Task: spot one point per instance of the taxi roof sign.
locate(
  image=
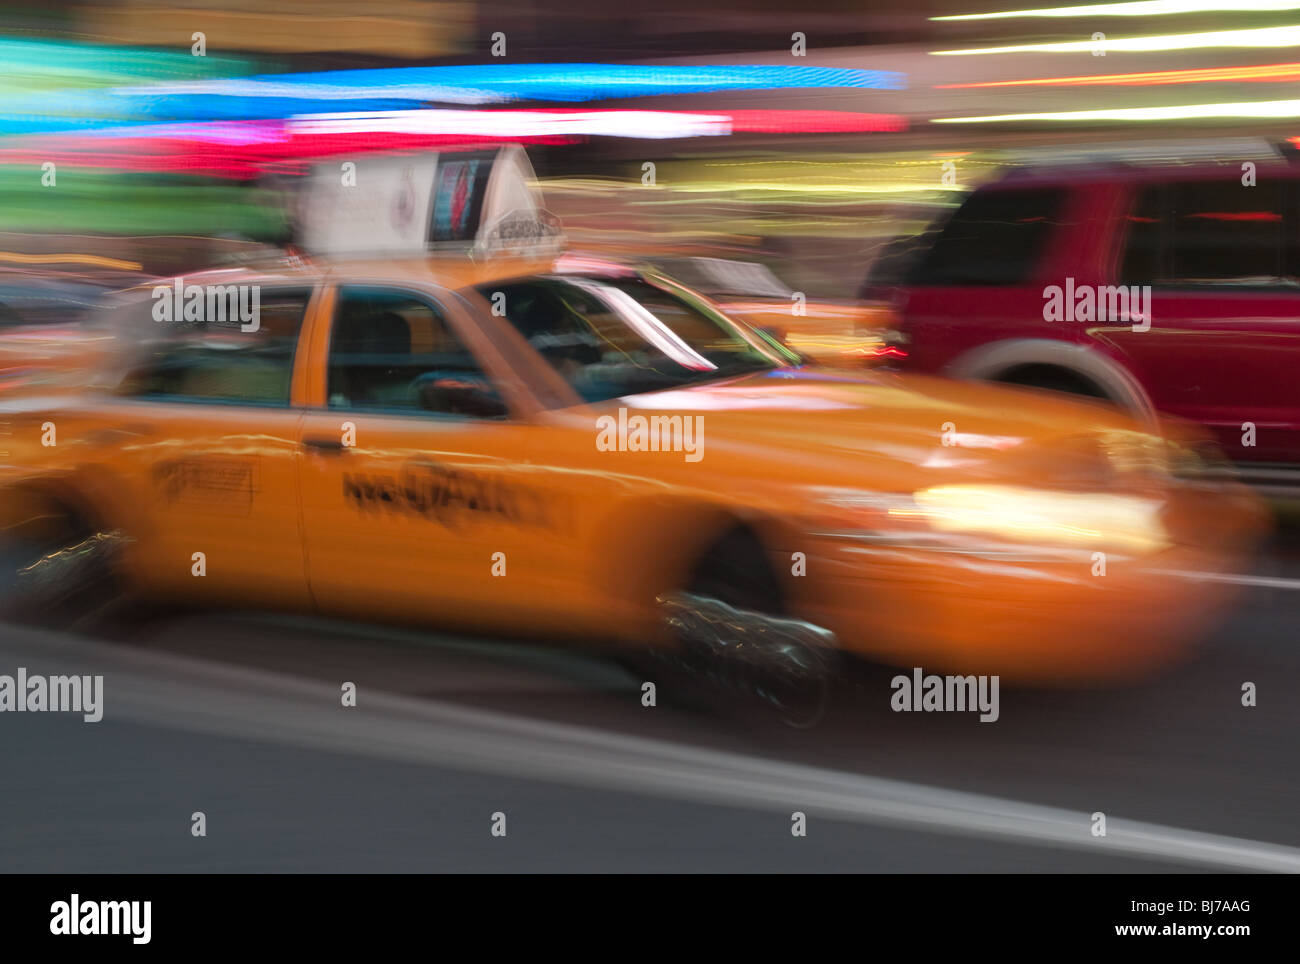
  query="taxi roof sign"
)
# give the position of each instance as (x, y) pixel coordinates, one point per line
(479, 202)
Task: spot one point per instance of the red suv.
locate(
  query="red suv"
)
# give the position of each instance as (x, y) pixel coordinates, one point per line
(1171, 290)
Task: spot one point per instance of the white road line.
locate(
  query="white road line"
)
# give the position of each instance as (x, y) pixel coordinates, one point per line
(183, 693)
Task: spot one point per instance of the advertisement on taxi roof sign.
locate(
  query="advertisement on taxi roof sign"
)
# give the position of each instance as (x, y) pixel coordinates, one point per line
(480, 202)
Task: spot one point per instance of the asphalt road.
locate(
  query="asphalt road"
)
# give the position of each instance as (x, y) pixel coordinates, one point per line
(240, 717)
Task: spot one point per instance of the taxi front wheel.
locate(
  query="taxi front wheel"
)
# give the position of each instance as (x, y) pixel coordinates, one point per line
(732, 631)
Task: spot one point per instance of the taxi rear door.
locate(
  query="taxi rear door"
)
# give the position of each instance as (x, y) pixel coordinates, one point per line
(213, 456)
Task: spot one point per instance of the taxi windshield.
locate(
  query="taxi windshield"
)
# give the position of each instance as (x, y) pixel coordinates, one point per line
(610, 337)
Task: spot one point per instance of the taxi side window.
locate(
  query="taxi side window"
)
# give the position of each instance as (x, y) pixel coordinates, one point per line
(393, 351)
(239, 350)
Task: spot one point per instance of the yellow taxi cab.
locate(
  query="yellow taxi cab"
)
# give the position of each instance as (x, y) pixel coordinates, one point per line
(594, 452)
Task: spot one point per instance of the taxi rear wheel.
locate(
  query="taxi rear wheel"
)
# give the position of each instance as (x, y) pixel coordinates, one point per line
(54, 567)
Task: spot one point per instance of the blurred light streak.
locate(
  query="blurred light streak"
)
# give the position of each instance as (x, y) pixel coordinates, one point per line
(1136, 8)
(1256, 109)
(172, 163)
(1200, 75)
(796, 188)
(229, 133)
(92, 201)
(812, 122)
(649, 124)
(86, 259)
(610, 123)
(52, 86)
(65, 64)
(1288, 36)
(278, 96)
(495, 83)
(237, 149)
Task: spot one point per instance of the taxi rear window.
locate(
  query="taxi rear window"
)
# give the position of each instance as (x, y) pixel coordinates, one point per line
(241, 355)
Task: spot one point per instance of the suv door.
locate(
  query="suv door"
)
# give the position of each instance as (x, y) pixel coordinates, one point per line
(1223, 262)
(982, 278)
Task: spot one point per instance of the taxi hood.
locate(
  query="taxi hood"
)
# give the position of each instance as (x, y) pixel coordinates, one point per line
(820, 417)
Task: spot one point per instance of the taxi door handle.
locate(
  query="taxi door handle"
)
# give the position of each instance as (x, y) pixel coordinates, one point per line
(324, 444)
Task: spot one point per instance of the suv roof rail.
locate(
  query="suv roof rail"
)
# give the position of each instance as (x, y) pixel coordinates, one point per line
(1032, 170)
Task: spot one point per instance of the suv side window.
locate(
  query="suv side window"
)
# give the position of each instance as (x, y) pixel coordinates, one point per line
(997, 237)
(1212, 233)
(393, 351)
(214, 359)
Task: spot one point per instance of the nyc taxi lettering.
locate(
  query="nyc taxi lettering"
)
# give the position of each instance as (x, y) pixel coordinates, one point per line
(446, 495)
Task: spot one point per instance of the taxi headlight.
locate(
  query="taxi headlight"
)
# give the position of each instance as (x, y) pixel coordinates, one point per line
(1086, 520)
